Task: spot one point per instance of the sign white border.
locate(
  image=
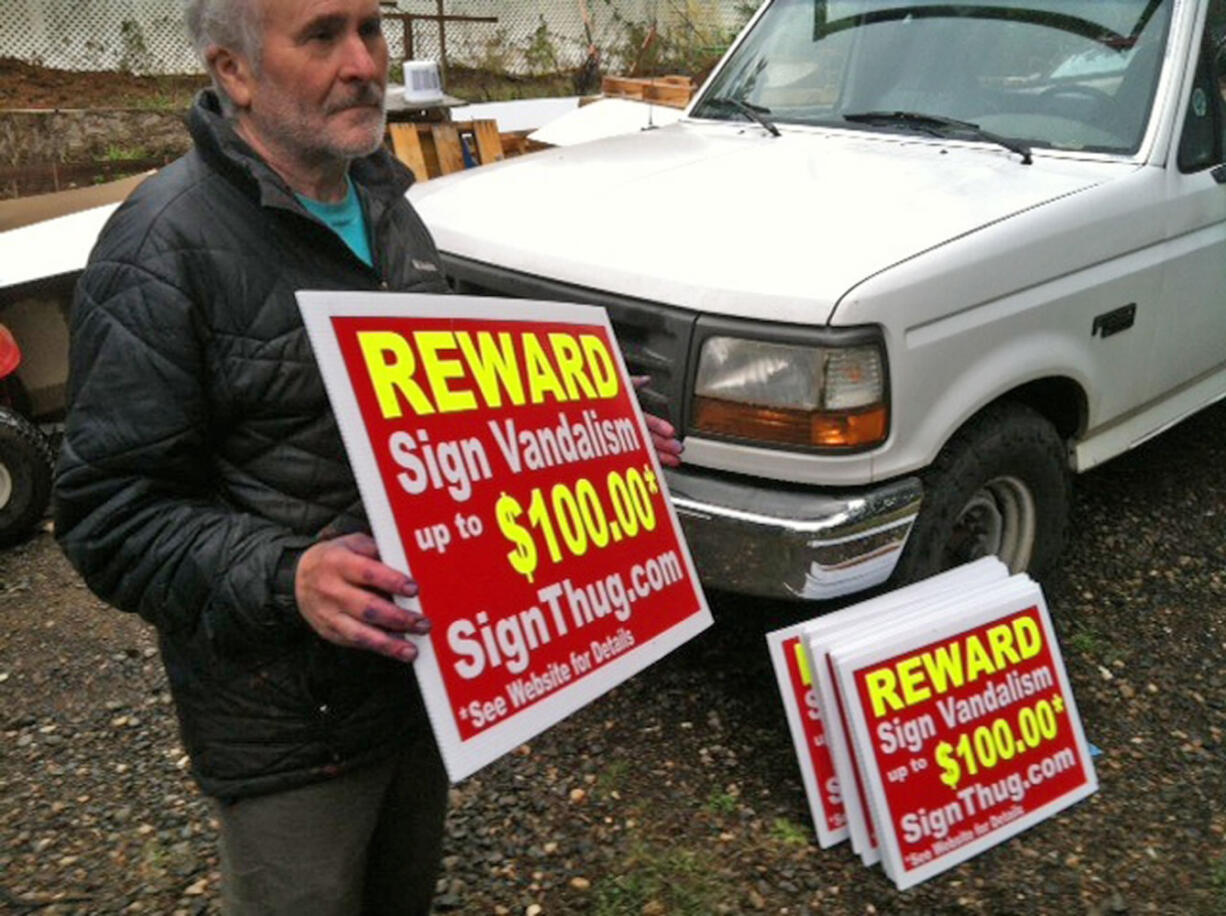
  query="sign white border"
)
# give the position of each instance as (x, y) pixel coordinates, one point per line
(464, 757)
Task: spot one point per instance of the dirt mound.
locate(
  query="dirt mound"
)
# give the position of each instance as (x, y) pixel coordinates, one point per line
(25, 85)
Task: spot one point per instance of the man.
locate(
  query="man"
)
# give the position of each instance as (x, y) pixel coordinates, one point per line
(203, 483)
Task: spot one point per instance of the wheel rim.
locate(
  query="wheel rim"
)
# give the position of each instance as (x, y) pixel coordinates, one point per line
(999, 519)
(6, 485)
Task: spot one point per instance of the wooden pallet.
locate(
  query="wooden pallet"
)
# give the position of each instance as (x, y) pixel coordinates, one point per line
(431, 150)
(516, 143)
(674, 91)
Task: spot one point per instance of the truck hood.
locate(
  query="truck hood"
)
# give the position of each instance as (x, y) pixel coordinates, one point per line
(726, 219)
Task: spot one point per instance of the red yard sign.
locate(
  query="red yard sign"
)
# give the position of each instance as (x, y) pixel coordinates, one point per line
(966, 739)
(504, 463)
(804, 716)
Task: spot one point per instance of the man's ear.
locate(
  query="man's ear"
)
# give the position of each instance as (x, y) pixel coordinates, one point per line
(233, 73)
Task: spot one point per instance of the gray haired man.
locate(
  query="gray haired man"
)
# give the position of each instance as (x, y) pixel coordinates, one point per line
(203, 483)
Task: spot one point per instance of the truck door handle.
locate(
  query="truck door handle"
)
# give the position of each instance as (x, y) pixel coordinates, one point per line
(1219, 174)
(1114, 321)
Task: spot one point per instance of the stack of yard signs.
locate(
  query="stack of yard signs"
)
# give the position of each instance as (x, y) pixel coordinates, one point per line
(933, 722)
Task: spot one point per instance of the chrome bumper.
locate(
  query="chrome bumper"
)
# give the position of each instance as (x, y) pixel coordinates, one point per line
(782, 542)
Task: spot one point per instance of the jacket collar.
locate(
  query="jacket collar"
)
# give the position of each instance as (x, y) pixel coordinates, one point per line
(381, 176)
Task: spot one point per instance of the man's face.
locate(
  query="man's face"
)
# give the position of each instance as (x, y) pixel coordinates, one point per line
(317, 91)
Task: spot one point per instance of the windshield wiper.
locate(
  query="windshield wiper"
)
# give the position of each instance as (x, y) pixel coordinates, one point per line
(755, 113)
(939, 126)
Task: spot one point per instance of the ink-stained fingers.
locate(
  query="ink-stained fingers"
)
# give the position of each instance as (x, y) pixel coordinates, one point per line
(363, 570)
(668, 444)
(664, 438)
(663, 434)
(346, 631)
(658, 426)
(668, 451)
(359, 619)
(369, 607)
(379, 612)
(373, 575)
(359, 543)
(417, 624)
(342, 594)
(354, 559)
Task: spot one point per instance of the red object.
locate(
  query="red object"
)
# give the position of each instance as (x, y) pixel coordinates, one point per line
(1008, 739)
(10, 353)
(815, 738)
(504, 642)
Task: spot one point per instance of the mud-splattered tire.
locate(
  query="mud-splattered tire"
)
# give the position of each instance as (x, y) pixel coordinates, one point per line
(25, 476)
(1000, 486)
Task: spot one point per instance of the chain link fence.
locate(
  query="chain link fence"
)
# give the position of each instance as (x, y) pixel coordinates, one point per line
(137, 36)
(533, 37)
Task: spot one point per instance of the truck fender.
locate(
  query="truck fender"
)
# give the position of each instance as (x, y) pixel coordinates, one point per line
(992, 376)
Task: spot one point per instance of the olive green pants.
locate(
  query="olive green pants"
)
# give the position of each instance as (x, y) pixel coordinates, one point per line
(366, 842)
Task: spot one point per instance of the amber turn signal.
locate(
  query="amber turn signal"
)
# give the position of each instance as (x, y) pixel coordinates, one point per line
(813, 428)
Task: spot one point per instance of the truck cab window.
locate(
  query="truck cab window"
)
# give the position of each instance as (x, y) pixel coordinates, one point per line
(1204, 126)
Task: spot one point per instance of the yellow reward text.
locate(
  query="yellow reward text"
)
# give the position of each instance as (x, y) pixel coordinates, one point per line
(964, 660)
(444, 371)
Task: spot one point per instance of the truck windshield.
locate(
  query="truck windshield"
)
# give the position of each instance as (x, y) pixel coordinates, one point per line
(1060, 74)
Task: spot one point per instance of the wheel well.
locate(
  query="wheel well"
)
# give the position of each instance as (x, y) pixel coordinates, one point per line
(1061, 400)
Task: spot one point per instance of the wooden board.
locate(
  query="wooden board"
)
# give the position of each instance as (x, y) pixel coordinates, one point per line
(447, 146)
(675, 96)
(407, 145)
(489, 143)
(674, 91)
(623, 87)
(515, 143)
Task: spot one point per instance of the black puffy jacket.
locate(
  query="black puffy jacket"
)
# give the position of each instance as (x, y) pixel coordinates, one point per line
(201, 455)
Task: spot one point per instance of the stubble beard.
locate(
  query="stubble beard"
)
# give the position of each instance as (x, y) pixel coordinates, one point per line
(310, 134)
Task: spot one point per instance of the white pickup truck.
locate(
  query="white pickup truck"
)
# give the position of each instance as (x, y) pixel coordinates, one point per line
(900, 270)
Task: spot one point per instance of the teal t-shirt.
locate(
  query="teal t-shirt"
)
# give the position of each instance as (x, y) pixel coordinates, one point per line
(346, 219)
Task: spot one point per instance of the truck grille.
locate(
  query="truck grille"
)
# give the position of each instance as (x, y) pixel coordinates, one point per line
(654, 339)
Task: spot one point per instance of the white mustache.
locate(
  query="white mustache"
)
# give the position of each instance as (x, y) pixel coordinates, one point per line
(369, 96)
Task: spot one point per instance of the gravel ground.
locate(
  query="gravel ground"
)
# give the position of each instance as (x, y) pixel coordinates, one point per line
(678, 792)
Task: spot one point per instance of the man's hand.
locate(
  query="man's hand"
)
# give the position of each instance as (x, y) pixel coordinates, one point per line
(342, 591)
(663, 434)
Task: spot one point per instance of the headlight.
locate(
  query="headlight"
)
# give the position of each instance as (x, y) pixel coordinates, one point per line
(819, 396)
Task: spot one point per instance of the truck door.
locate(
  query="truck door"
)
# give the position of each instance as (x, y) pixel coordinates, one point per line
(1191, 333)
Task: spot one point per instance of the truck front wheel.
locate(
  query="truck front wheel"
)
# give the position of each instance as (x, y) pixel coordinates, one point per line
(25, 476)
(1000, 486)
